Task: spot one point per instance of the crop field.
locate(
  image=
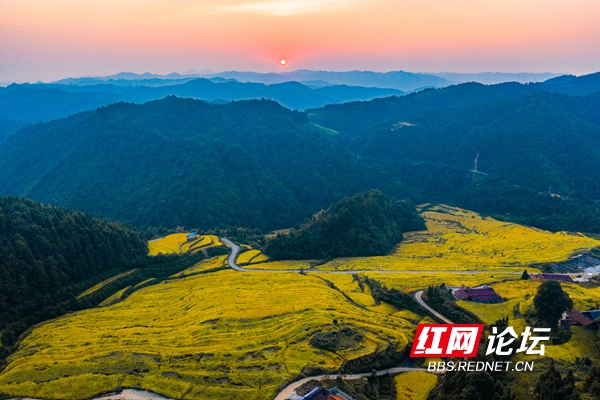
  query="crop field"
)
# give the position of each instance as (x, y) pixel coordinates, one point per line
(251, 257)
(282, 265)
(142, 283)
(414, 385)
(220, 335)
(409, 282)
(114, 298)
(177, 243)
(464, 240)
(347, 284)
(204, 265)
(104, 283)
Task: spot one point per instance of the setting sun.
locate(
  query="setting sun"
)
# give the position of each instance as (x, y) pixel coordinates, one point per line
(282, 62)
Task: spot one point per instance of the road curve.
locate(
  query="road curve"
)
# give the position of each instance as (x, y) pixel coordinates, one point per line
(235, 249)
(293, 386)
(422, 303)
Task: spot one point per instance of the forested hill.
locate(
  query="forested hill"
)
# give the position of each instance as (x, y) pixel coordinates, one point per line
(531, 158)
(27, 103)
(512, 151)
(362, 225)
(44, 249)
(181, 162)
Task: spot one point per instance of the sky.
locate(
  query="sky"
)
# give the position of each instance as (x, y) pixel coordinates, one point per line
(53, 39)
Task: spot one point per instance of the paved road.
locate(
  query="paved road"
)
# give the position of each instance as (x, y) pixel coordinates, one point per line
(437, 314)
(235, 249)
(293, 386)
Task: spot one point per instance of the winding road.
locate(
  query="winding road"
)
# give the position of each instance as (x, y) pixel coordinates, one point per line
(235, 249)
(293, 386)
(431, 310)
(288, 390)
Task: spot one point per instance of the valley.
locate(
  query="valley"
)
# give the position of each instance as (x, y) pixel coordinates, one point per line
(220, 330)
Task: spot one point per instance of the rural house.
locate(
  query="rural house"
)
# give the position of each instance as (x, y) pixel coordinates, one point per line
(551, 277)
(578, 318)
(479, 295)
(192, 236)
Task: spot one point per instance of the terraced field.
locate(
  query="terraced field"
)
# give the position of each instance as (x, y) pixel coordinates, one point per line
(177, 243)
(226, 334)
(413, 282)
(251, 257)
(202, 266)
(104, 283)
(285, 265)
(218, 335)
(464, 240)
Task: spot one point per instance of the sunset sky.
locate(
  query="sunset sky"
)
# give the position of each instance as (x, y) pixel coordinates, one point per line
(52, 39)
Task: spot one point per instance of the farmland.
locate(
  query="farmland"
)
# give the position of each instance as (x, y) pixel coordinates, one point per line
(414, 385)
(209, 332)
(464, 240)
(177, 243)
(251, 257)
(104, 283)
(218, 335)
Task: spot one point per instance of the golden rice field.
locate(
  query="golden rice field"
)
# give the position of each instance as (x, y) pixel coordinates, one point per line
(409, 282)
(114, 298)
(350, 287)
(142, 283)
(104, 283)
(177, 243)
(204, 265)
(464, 240)
(251, 257)
(286, 265)
(414, 385)
(211, 336)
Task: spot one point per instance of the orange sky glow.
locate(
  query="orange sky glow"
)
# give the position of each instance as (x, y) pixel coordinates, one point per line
(53, 39)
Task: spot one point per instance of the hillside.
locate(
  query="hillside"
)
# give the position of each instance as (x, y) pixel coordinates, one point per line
(362, 225)
(45, 250)
(180, 162)
(31, 103)
(516, 152)
(534, 152)
(211, 332)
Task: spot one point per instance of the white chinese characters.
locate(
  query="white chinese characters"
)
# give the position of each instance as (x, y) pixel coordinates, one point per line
(499, 343)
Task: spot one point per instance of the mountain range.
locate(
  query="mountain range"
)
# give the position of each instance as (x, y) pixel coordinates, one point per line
(521, 152)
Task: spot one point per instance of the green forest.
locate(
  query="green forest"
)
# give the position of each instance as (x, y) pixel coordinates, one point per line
(362, 225)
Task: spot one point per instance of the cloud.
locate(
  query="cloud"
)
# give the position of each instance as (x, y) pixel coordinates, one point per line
(286, 7)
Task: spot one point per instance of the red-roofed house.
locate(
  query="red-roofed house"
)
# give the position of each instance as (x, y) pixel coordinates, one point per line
(577, 318)
(481, 295)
